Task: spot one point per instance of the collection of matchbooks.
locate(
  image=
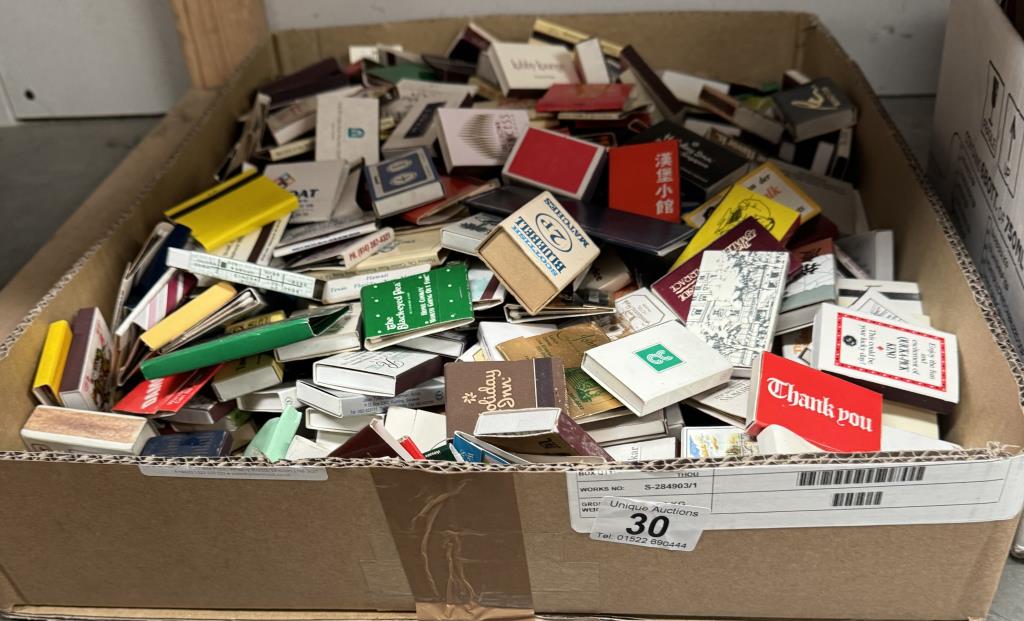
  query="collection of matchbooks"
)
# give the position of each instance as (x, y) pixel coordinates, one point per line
(512, 252)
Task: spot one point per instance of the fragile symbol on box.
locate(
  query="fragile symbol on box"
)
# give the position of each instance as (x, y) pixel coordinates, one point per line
(664, 525)
(992, 110)
(1010, 146)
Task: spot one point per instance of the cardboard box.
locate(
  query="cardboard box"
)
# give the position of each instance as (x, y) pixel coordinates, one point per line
(975, 156)
(977, 108)
(104, 538)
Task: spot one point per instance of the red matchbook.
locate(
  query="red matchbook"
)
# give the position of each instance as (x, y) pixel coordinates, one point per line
(552, 161)
(410, 446)
(830, 413)
(165, 396)
(816, 229)
(644, 179)
(584, 98)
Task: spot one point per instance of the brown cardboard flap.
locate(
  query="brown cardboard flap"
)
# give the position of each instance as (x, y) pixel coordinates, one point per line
(139, 541)
(460, 541)
(149, 614)
(897, 196)
(926, 572)
(745, 47)
(476, 536)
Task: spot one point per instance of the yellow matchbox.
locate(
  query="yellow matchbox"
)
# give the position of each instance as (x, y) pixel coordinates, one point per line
(173, 325)
(233, 209)
(738, 205)
(46, 386)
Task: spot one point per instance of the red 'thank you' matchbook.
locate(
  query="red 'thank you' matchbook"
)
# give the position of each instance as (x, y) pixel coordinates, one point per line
(830, 413)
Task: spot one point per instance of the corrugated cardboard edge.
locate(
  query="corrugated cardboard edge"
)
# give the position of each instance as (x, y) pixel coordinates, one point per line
(993, 451)
(981, 295)
(984, 582)
(210, 107)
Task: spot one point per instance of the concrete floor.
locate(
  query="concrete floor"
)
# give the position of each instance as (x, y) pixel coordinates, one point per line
(48, 168)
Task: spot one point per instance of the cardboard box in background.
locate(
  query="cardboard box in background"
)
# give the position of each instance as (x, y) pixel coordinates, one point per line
(977, 142)
(113, 537)
(976, 151)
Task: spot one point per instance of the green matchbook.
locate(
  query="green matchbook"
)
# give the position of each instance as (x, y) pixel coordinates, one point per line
(275, 436)
(407, 308)
(402, 71)
(241, 344)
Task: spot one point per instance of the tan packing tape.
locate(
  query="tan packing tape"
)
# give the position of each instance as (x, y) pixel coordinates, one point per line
(460, 542)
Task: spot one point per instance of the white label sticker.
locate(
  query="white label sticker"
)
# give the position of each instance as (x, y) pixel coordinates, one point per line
(649, 524)
(811, 495)
(250, 274)
(257, 473)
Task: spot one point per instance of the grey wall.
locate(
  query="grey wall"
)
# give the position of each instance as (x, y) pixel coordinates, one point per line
(67, 58)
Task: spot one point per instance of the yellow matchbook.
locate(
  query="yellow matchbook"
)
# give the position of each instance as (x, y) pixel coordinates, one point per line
(46, 386)
(768, 180)
(237, 207)
(740, 203)
(171, 326)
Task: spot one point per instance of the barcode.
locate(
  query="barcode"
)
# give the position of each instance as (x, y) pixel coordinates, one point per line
(860, 476)
(856, 499)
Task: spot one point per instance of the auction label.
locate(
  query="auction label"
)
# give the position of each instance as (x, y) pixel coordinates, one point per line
(650, 524)
(813, 495)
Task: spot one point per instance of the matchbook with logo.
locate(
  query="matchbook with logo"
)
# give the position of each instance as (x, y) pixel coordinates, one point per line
(656, 367)
(538, 251)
